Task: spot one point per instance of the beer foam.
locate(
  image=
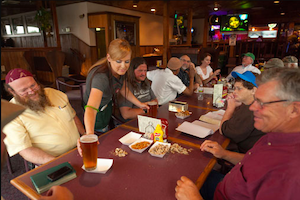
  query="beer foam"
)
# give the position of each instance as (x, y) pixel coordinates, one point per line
(152, 103)
(89, 138)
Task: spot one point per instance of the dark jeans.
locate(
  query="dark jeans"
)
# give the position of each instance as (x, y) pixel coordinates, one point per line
(208, 189)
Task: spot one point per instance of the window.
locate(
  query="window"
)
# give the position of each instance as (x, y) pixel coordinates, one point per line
(18, 25)
(31, 24)
(5, 27)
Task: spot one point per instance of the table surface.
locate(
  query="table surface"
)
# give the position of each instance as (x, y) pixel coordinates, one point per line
(138, 175)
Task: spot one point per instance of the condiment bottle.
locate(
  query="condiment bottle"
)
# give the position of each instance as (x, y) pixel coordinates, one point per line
(165, 127)
(158, 134)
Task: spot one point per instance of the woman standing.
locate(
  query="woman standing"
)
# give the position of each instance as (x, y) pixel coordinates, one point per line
(205, 71)
(105, 79)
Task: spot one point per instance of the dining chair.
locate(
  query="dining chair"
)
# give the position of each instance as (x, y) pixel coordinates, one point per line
(70, 86)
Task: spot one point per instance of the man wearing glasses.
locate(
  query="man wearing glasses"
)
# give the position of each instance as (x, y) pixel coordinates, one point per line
(49, 126)
(184, 72)
(270, 170)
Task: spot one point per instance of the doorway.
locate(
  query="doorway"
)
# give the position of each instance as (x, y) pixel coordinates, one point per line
(100, 43)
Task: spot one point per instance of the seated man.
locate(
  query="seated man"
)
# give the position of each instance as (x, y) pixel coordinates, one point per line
(140, 87)
(10, 111)
(165, 83)
(274, 158)
(238, 121)
(248, 60)
(183, 74)
(49, 126)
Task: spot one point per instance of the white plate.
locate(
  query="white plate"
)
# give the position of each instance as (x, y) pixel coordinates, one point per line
(103, 165)
(182, 117)
(129, 138)
(157, 143)
(140, 140)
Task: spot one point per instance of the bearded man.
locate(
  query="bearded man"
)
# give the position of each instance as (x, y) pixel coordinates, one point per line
(48, 127)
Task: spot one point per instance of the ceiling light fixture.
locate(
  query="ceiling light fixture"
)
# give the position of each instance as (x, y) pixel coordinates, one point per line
(216, 8)
(282, 13)
(153, 10)
(135, 3)
(276, 1)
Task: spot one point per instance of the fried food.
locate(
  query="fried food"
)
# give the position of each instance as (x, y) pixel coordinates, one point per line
(159, 149)
(140, 145)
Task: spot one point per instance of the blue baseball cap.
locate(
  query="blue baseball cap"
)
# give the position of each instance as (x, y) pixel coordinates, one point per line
(246, 76)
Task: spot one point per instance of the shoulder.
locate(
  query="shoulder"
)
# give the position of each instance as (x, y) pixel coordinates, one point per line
(55, 95)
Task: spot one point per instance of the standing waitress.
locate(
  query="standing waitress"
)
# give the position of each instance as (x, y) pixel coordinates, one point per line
(105, 79)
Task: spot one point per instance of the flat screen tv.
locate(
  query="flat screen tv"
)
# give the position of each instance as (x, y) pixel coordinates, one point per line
(234, 23)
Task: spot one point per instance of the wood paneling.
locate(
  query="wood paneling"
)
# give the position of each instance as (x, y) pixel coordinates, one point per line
(97, 20)
(150, 49)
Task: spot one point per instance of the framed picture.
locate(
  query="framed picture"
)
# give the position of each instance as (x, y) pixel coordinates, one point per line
(125, 30)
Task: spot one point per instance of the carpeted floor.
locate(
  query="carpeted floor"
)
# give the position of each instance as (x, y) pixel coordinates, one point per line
(8, 191)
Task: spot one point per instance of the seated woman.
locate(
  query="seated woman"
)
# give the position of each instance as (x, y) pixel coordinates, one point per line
(105, 79)
(205, 71)
(140, 87)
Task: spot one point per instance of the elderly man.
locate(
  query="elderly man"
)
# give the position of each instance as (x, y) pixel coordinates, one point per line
(248, 60)
(183, 74)
(166, 85)
(10, 111)
(48, 128)
(274, 159)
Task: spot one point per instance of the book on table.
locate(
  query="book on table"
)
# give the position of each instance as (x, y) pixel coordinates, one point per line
(42, 183)
(214, 117)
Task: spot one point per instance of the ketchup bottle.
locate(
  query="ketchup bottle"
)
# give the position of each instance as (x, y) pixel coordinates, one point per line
(165, 127)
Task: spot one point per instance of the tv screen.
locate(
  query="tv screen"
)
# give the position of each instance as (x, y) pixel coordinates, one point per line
(234, 23)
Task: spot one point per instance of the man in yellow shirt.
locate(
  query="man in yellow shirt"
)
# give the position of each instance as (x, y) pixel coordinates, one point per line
(48, 127)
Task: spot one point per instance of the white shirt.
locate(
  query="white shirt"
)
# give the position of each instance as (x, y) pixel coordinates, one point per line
(241, 69)
(165, 85)
(200, 72)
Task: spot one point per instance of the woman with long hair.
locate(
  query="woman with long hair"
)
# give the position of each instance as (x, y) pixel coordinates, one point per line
(205, 71)
(105, 79)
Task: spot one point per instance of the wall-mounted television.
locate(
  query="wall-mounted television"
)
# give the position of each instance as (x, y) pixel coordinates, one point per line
(234, 23)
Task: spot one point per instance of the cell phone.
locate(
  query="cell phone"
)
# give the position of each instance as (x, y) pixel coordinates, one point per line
(59, 173)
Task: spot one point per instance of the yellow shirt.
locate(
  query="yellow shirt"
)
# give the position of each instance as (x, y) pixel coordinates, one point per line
(53, 131)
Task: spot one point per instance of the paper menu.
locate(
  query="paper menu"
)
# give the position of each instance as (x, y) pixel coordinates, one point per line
(213, 117)
(218, 91)
(147, 124)
(194, 129)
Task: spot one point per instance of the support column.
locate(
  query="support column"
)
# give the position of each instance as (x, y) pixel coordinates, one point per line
(205, 32)
(189, 27)
(166, 33)
(55, 23)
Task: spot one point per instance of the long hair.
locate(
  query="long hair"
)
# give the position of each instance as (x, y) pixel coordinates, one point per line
(134, 64)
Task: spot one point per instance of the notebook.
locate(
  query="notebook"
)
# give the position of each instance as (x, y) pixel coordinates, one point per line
(42, 183)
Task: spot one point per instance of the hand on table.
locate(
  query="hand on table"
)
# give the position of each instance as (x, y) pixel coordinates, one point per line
(213, 148)
(58, 193)
(186, 190)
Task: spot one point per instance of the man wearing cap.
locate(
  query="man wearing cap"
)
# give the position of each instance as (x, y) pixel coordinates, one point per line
(165, 83)
(238, 121)
(273, 63)
(9, 112)
(186, 67)
(290, 62)
(248, 60)
(49, 126)
(274, 159)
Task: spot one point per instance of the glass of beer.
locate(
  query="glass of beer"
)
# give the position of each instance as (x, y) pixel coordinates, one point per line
(153, 108)
(89, 151)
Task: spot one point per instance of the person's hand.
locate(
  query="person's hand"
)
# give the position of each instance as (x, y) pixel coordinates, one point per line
(213, 148)
(58, 193)
(186, 190)
(232, 103)
(79, 149)
(192, 72)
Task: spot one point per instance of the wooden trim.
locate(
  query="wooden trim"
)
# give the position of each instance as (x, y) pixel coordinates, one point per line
(29, 49)
(199, 107)
(54, 16)
(113, 13)
(25, 189)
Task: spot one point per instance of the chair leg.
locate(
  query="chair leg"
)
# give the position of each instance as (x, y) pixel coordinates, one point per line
(10, 171)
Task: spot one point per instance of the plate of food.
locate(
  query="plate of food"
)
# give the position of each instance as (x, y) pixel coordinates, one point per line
(183, 114)
(159, 149)
(130, 138)
(140, 145)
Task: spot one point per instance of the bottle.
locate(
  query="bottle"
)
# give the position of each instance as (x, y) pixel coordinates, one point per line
(200, 91)
(164, 126)
(158, 134)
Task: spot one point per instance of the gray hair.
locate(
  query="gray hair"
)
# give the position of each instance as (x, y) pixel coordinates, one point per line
(288, 79)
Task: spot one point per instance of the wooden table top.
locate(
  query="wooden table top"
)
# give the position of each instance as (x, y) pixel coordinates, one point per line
(136, 175)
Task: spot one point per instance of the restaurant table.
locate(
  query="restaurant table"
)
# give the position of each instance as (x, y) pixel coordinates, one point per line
(138, 175)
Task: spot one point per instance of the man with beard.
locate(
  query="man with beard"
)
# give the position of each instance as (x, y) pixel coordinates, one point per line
(10, 111)
(49, 126)
(186, 66)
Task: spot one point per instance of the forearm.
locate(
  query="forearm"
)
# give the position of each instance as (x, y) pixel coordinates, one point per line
(130, 97)
(233, 157)
(198, 79)
(130, 113)
(36, 155)
(208, 79)
(190, 89)
(79, 125)
(89, 120)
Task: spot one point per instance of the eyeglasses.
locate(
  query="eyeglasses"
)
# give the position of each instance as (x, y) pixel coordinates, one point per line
(184, 60)
(262, 104)
(34, 87)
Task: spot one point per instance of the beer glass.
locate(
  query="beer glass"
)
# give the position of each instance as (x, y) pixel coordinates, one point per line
(153, 108)
(89, 151)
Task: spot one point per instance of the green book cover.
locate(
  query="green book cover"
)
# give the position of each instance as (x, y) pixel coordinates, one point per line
(42, 183)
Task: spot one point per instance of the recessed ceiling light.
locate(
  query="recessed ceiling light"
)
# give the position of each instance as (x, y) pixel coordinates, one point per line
(134, 5)
(276, 1)
(216, 8)
(152, 9)
(282, 13)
